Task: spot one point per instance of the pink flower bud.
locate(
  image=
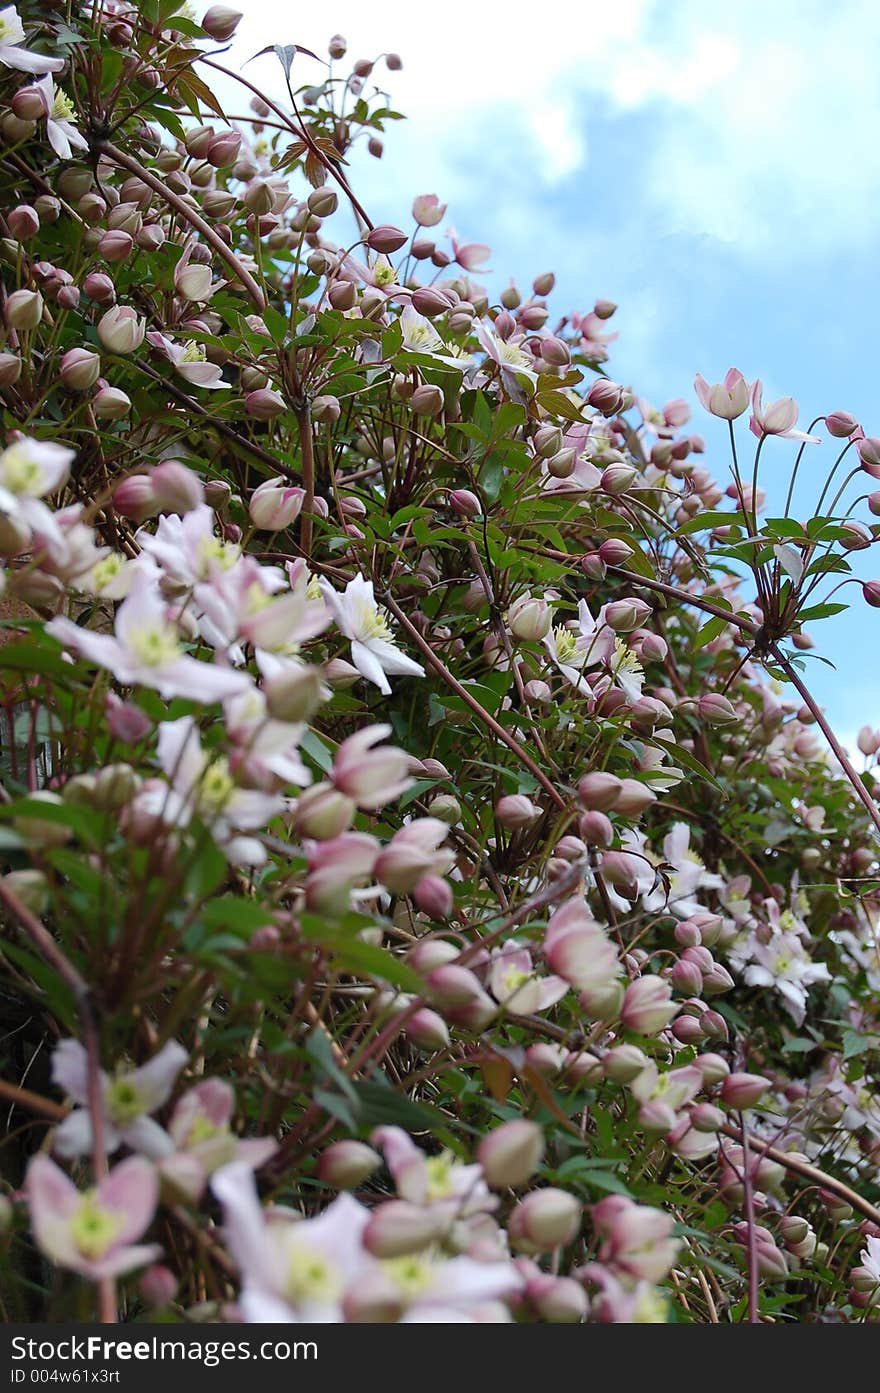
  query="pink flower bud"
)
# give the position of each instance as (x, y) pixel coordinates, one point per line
(515, 810)
(24, 222)
(323, 812)
(220, 22)
(743, 1090)
(453, 986)
(562, 464)
(111, 404)
(430, 301)
(386, 238)
(555, 352)
(29, 103)
(510, 1154)
(647, 1005)
(871, 593)
(397, 1227)
(426, 1029)
(624, 1063)
(687, 1030)
(841, 424)
(687, 978)
(158, 1286)
(24, 309)
(606, 396)
(465, 503)
(604, 309)
(727, 399)
(337, 46)
(120, 330)
(625, 615)
(707, 1118)
(529, 618)
(99, 287)
(633, 798)
(614, 551)
(530, 317)
(275, 505)
(80, 369)
(126, 721)
(294, 694)
(716, 710)
(427, 400)
(371, 776)
(434, 897)
(545, 1219)
(347, 1164)
(617, 478)
(135, 498)
(10, 369)
(595, 828)
(599, 791)
(432, 952)
(116, 245)
(559, 1300)
(264, 404)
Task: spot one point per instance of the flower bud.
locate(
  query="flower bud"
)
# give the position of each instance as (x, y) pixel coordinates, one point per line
(606, 396)
(176, 488)
(604, 309)
(120, 330)
(347, 1164)
(323, 812)
(716, 710)
(543, 284)
(617, 478)
(561, 465)
(24, 309)
(529, 618)
(10, 369)
(115, 246)
(158, 1286)
(595, 828)
(397, 1227)
(135, 498)
(30, 887)
(337, 46)
(743, 1090)
(625, 615)
(80, 369)
(386, 238)
(220, 22)
(111, 404)
(624, 1063)
(515, 810)
(36, 831)
(126, 721)
(510, 1154)
(427, 400)
(547, 441)
(99, 287)
(24, 222)
(545, 1219)
(841, 424)
(647, 1005)
(465, 503)
(599, 791)
(871, 593)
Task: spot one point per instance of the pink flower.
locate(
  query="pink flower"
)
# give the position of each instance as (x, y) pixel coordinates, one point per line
(146, 650)
(516, 985)
(292, 1269)
(776, 419)
(638, 1243)
(92, 1233)
(442, 1183)
(204, 1141)
(372, 777)
(62, 133)
(428, 210)
(127, 1099)
(579, 950)
(189, 361)
(469, 255)
(727, 399)
(360, 619)
(414, 852)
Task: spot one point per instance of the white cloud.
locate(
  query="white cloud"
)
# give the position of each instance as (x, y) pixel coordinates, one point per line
(763, 118)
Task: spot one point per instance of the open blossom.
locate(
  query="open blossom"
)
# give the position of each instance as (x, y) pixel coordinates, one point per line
(203, 786)
(93, 1232)
(443, 1183)
(727, 399)
(189, 361)
(784, 964)
(292, 1269)
(637, 1240)
(360, 619)
(517, 986)
(127, 1099)
(30, 469)
(690, 875)
(63, 134)
(186, 549)
(12, 55)
(420, 336)
(412, 853)
(579, 950)
(512, 360)
(776, 419)
(202, 1138)
(145, 650)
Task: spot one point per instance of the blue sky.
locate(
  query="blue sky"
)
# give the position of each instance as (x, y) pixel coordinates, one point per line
(713, 169)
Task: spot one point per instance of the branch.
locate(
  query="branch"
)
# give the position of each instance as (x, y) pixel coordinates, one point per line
(804, 1169)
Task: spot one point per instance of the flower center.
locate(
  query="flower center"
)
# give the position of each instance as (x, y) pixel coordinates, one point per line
(193, 352)
(212, 549)
(216, 787)
(124, 1103)
(625, 659)
(106, 570)
(383, 272)
(93, 1228)
(311, 1276)
(420, 337)
(156, 646)
(439, 1174)
(21, 473)
(371, 622)
(62, 107)
(411, 1274)
(566, 644)
(513, 356)
(513, 979)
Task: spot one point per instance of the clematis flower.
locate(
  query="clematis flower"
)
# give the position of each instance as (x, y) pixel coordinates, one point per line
(469, 255)
(429, 1288)
(204, 787)
(784, 964)
(516, 985)
(420, 336)
(203, 1140)
(579, 950)
(265, 750)
(127, 1100)
(776, 419)
(145, 650)
(360, 619)
(93, 1233)
(512, 360)
(689, 877)
(186, 549)
(443, 1183)
(189, 361)
(727, 399)
(638, 1245)
(29, 469)
(63, 134)
(292, 1270)
(412, 853)
(12, 56)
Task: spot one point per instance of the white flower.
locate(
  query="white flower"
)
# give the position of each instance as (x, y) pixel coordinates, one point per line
(29, 469)
(185, 547)
(512, 360)
(204, 787)
(127, 1099)
(784, 964)
(145, 650)
(360, 619)
(11, 56)
(420, 336)
(189, 361)
(63, 134)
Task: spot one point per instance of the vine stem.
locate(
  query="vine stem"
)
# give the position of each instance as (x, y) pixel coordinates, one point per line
(307, 449)
(819, 717)
(804, 1169)
(189, 215)
(46, 946)
(749, 1203)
